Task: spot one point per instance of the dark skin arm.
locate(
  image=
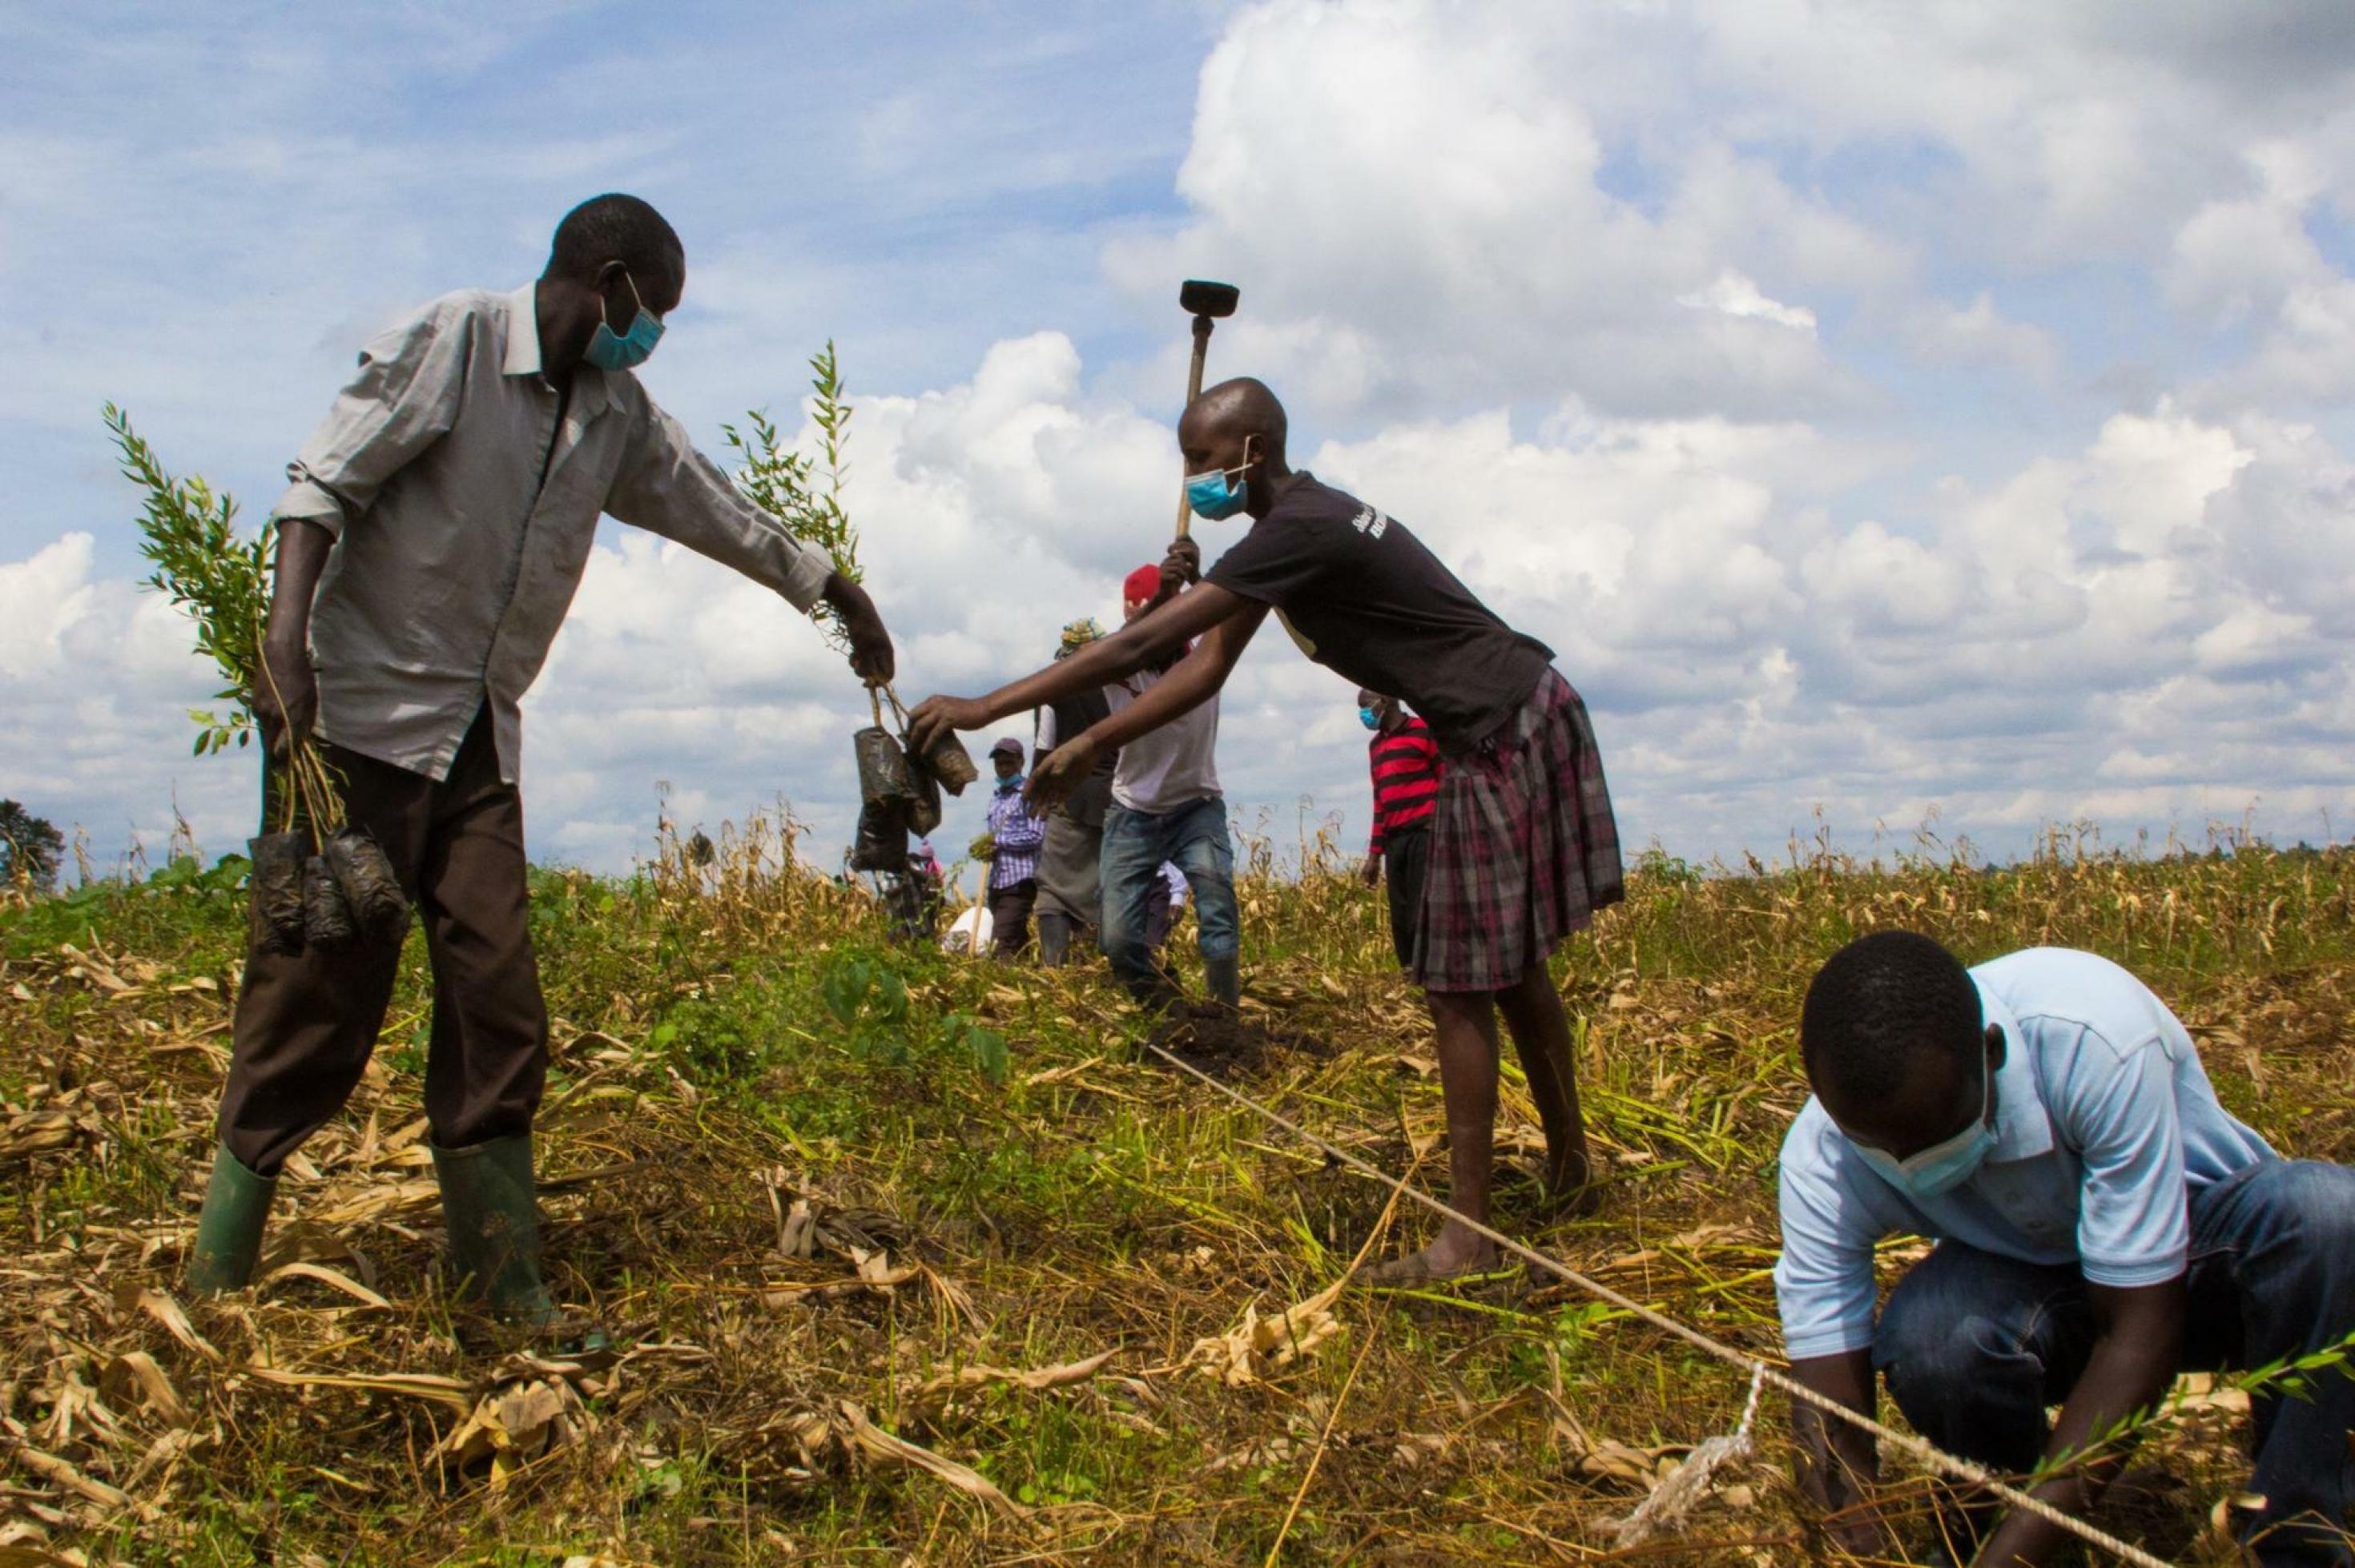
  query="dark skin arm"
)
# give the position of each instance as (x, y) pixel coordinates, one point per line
(1148, 638)
(870, 646)
(1189, 684)
(2135, 1356)
(1840, 1464)
(286, 704)
(2138, 1351)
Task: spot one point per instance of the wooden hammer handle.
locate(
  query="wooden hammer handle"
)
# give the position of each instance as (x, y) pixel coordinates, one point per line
(1202, 325)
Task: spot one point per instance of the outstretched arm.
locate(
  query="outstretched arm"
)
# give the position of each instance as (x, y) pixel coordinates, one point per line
(1149, 637)
(666, 487)
(1184, 688)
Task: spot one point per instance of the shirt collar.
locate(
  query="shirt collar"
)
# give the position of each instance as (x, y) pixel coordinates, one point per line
(2022, 1130)
(523, 332)
(590, 397)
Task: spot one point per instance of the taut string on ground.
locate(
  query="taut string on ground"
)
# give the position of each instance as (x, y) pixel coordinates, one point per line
(1952, 1466)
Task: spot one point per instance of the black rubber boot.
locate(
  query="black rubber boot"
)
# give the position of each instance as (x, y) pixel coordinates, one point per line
(493, 1209)
(1054, 938)
(228, 1231)
(1223, 978)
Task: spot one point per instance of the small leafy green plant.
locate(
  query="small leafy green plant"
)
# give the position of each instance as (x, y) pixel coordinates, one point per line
(802, 490)
(187, 532)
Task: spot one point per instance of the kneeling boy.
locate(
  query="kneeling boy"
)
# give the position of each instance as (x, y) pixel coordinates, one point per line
(2101, 1224)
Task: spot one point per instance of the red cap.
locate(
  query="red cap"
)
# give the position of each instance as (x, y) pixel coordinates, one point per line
(1141, 585)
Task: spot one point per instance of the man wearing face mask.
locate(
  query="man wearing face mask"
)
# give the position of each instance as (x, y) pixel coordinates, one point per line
(1016, 838)
(428, 549)
(2101, 1224)
(1407, 769)
(1524, 850)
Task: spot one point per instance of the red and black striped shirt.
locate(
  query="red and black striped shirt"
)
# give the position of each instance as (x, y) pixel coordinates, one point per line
(1406, 779)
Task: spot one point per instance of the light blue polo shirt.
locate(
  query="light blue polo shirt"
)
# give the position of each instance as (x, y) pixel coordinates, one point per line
(2105, 1123)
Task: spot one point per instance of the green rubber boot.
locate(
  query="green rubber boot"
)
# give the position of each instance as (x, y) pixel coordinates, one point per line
(228, 1231)
(492, 1209)
(1224, 979)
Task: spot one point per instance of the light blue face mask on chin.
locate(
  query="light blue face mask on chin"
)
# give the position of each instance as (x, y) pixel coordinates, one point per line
(1371, 718)
(1943, 1166)
(608, 350)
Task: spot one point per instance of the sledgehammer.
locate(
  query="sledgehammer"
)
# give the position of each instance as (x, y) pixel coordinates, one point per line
(1206, 303)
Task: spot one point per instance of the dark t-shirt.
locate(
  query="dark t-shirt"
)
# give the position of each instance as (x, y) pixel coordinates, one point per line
(1074, 717)
(1364, 597)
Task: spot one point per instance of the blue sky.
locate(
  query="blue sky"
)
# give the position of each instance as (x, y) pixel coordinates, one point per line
(1892, 414)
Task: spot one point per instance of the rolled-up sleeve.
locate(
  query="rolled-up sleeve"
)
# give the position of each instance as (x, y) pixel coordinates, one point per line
(1823, 1281)
(666, 487)
(404, 398)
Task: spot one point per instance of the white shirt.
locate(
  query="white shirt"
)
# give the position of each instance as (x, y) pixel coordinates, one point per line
(1169, 768)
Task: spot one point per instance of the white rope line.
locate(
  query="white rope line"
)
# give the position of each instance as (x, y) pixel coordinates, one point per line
(1929, 1453)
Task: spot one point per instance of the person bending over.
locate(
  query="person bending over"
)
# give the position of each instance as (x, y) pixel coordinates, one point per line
(2101, 1224)
(1523, 849)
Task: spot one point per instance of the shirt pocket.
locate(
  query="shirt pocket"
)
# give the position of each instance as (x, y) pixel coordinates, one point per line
(2037, 1198)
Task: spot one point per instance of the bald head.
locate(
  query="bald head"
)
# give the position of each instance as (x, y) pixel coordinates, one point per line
(1238, 427)
(1243, 407)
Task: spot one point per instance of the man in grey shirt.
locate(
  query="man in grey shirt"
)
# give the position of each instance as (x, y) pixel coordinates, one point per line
(428, 549)
(1167, 809)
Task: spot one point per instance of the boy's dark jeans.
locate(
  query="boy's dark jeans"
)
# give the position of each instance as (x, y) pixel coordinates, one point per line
(1135, 845)
(1975, 1346)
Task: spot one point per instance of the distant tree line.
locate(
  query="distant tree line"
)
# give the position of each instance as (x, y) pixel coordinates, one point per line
(30, 849)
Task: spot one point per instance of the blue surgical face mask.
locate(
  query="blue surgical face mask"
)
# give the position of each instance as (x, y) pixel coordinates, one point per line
(608, 350)
(1220, 492)
(1942, 1167)
(1371, 718)
(1214, 495)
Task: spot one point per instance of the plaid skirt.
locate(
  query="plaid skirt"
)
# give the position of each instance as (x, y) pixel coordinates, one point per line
(1523, 848)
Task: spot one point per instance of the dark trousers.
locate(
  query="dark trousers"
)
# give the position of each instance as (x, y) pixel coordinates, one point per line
(1160, 920)
(1975, 1347)
(1405, 853)
(306, 1025)
(1135, 845)
(1056, 931)
(1009, 917)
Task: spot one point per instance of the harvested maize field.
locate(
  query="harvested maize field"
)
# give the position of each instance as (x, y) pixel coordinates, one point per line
(909, 1257)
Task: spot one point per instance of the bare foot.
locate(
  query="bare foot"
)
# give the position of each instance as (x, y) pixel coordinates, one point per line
(1455, 1252)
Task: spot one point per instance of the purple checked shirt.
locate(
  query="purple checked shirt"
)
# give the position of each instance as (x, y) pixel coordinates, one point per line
(1018, 835)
